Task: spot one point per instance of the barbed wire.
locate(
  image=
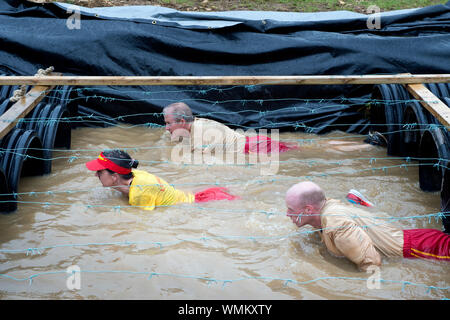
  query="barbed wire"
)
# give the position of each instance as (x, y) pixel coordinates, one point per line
(203, 239)
(82, 90)
(348, 102)
(255, 181)
(211, 280)
(296, 125)
(301, 141)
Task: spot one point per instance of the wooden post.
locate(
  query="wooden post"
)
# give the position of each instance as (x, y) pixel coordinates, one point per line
(223, 80)
(21, 108)
(432, 103)
(412, 82)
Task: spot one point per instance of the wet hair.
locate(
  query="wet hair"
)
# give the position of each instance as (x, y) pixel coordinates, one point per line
(180, 110)
(123, 159)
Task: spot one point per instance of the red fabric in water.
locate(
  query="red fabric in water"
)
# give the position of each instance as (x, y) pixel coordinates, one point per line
(215, 193)
(263, 144)
(426, 243)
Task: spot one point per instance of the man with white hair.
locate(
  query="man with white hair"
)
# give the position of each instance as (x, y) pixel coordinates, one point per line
(208, 135)
(357, 234)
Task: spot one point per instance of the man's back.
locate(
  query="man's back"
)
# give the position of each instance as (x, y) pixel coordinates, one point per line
(385, 235)
(208, 135)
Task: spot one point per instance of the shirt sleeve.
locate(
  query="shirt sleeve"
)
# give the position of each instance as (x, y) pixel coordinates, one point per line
(356, 245)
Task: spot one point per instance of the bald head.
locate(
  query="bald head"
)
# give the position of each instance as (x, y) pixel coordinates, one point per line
(304, 193)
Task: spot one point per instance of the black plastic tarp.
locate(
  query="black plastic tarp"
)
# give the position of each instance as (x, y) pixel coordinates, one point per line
(171, 43)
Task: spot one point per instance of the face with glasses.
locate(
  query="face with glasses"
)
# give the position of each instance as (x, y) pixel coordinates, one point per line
(295, 215)
(304, 202)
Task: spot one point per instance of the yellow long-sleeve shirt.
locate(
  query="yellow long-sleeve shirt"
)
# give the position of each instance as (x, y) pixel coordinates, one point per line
(148, 191)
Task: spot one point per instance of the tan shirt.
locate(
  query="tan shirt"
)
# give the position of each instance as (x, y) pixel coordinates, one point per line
(209, 135)
(358, 234)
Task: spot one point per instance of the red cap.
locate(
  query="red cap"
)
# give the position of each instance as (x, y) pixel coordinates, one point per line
(103, 162)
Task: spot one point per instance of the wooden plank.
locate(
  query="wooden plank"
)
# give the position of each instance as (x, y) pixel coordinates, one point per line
(223, 80)
(432, 103)
(21, 108)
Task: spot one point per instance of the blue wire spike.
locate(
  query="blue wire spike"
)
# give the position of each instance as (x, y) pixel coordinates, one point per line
(286, 282)
(440, 216)
(210, 282)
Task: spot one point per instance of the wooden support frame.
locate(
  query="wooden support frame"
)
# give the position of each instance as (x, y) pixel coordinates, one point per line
(223, 80)
(432, 103)
(43, 84)
(21, 108)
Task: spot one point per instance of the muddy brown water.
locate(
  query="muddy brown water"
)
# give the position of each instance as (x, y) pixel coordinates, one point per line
(243, 249)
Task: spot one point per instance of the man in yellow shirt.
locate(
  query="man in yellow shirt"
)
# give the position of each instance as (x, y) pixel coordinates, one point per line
(352, 232)
(115, 168)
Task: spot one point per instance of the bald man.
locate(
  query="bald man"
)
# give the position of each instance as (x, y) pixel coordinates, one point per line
(352, 232)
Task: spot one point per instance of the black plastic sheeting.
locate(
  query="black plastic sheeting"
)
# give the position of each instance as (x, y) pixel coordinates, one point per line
(36, 36)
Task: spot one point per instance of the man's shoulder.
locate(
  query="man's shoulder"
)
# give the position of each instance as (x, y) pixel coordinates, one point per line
(334, 214)
(335, 205)
(207, 122)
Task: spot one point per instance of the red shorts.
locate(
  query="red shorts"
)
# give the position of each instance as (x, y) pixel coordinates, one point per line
(213, 194)
(426, 243)
(263, 144)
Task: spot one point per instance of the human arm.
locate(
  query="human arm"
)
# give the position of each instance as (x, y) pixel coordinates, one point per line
(354, 243)
(179, 135)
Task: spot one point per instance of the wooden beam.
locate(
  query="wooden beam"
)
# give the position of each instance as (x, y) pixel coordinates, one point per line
(432, 103)
(21, 108)
(223, 80)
